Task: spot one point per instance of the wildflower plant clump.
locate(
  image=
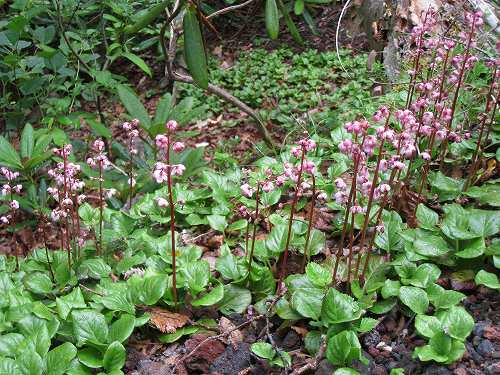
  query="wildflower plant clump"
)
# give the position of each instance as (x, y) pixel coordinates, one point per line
(326, 234)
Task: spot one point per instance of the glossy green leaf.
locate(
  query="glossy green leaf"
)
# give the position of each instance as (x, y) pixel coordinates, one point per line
(272, 19)
(415, 298)
(194, 49)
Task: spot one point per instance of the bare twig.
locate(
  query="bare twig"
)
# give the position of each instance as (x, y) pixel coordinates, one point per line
(314, 363)
(229, 9)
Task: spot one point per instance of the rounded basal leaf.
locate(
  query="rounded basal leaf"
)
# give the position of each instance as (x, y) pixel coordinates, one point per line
(383, 306)
(390, 288)
(488, 279)
(217, 222)
(89, 326)
(122, 328)
(440, 343)
(211, 298)
(319, 275)
(263, 350)
(308, 302)
(442, 298)
(430, 245)
(472, 249)
(345, 371)
(343, 348)
(426, 353)
(272, 19)
(90, 357)
(236, 300)
(457, 323)
(312, 341)
(338, 308)
(59, 359)
(194, 49)
(415, 298)
(114, 358)
(456, 352)
(367, 324)
(196, 275)
(38, 282)
(9, 344)
(424, 275)
(427, 325)
(427, 218)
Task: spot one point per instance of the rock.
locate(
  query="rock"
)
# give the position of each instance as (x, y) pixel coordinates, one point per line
(479, 328)
(473, 354)
(491, 332)
(460, 371)
(204, 356)
(462, 286)
(372, 338)
(436, 370)
(232, 361)
(493, 369)
(485, 348)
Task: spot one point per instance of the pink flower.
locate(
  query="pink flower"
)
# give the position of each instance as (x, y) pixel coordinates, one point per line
(6, 189)
(4, 220)
(310, 145)
(345, 146)
(246, 190)
(295, 151)
(14, 204)
(171, 125)
(160, 172)
(267, 186)
(111, 193)
(98, 145)
(322, 196)
(384, 188)
(340, 197)
(178, 170)
(305, 185)
(162, 202)
(161, 141)
(425, 155)
(18, 188)
(178, 147)
(280, 180)
(309, 167)
(340, 184)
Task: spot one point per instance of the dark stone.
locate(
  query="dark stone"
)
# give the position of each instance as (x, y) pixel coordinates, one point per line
(378, 369)
(473, 354)
(372, 338)
(232, 361)
(479, 328)
(485, 348)
(436, 370)
(493, 369)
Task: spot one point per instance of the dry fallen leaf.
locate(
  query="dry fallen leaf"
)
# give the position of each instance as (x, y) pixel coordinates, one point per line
(300, 330)
(166, 321)
(235, 337)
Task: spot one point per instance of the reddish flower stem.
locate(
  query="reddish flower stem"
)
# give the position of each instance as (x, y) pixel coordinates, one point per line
(101, 209)
(254, 230)
(444, 144)
(309, 226)
(172, 221)
(370, 200)
(290, 220)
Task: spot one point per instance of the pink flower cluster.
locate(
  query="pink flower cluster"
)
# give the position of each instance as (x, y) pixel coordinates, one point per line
(67, 184)
(7, 190)
(132, 133)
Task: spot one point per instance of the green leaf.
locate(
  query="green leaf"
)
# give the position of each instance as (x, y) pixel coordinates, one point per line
(169, 338)
(90, 357)
(442, 298)
(345, 371)
(427, 218)
(8, 155)
(308, 302)
(390, 239)
(390, 288)
(89, 326)
(343, 348)
(339, 308)
(427, 325)
(423, 276)
(73, 300)
(272, 19)
(473, 248)
(211, 298)
(133, 105)
(367, 324)
(312, 341)
(99, 129)
(122, 328)
(427, 353)
(276, 240)
(415, 298)
(30, 363)
(319, 275)
(27, 142)
(455, 224)
(118, 301)
(196, 275)
(217, 222)
(59, 359)
(263, 350)
(298, 7)
(484, 223)
(8, 366)
(440, 343)
(230, 267)
(163, 109)
(38, 282)
(114, 358)
(457, 323)
(95, 268)
(10, 343)
(316, 242)
(289, 22)
(430, 245)
(488, 279)
(139, 62)
(194, 49)
(236, 300)
(152, 289)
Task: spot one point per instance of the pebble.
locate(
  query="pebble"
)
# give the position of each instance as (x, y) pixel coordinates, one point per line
(460, 371)
(479, 328)
(485, 348)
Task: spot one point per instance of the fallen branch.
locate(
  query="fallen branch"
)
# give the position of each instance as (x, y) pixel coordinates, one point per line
(229, 9)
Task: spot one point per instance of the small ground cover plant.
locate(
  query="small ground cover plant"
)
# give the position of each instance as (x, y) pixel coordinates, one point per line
(127, 219)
